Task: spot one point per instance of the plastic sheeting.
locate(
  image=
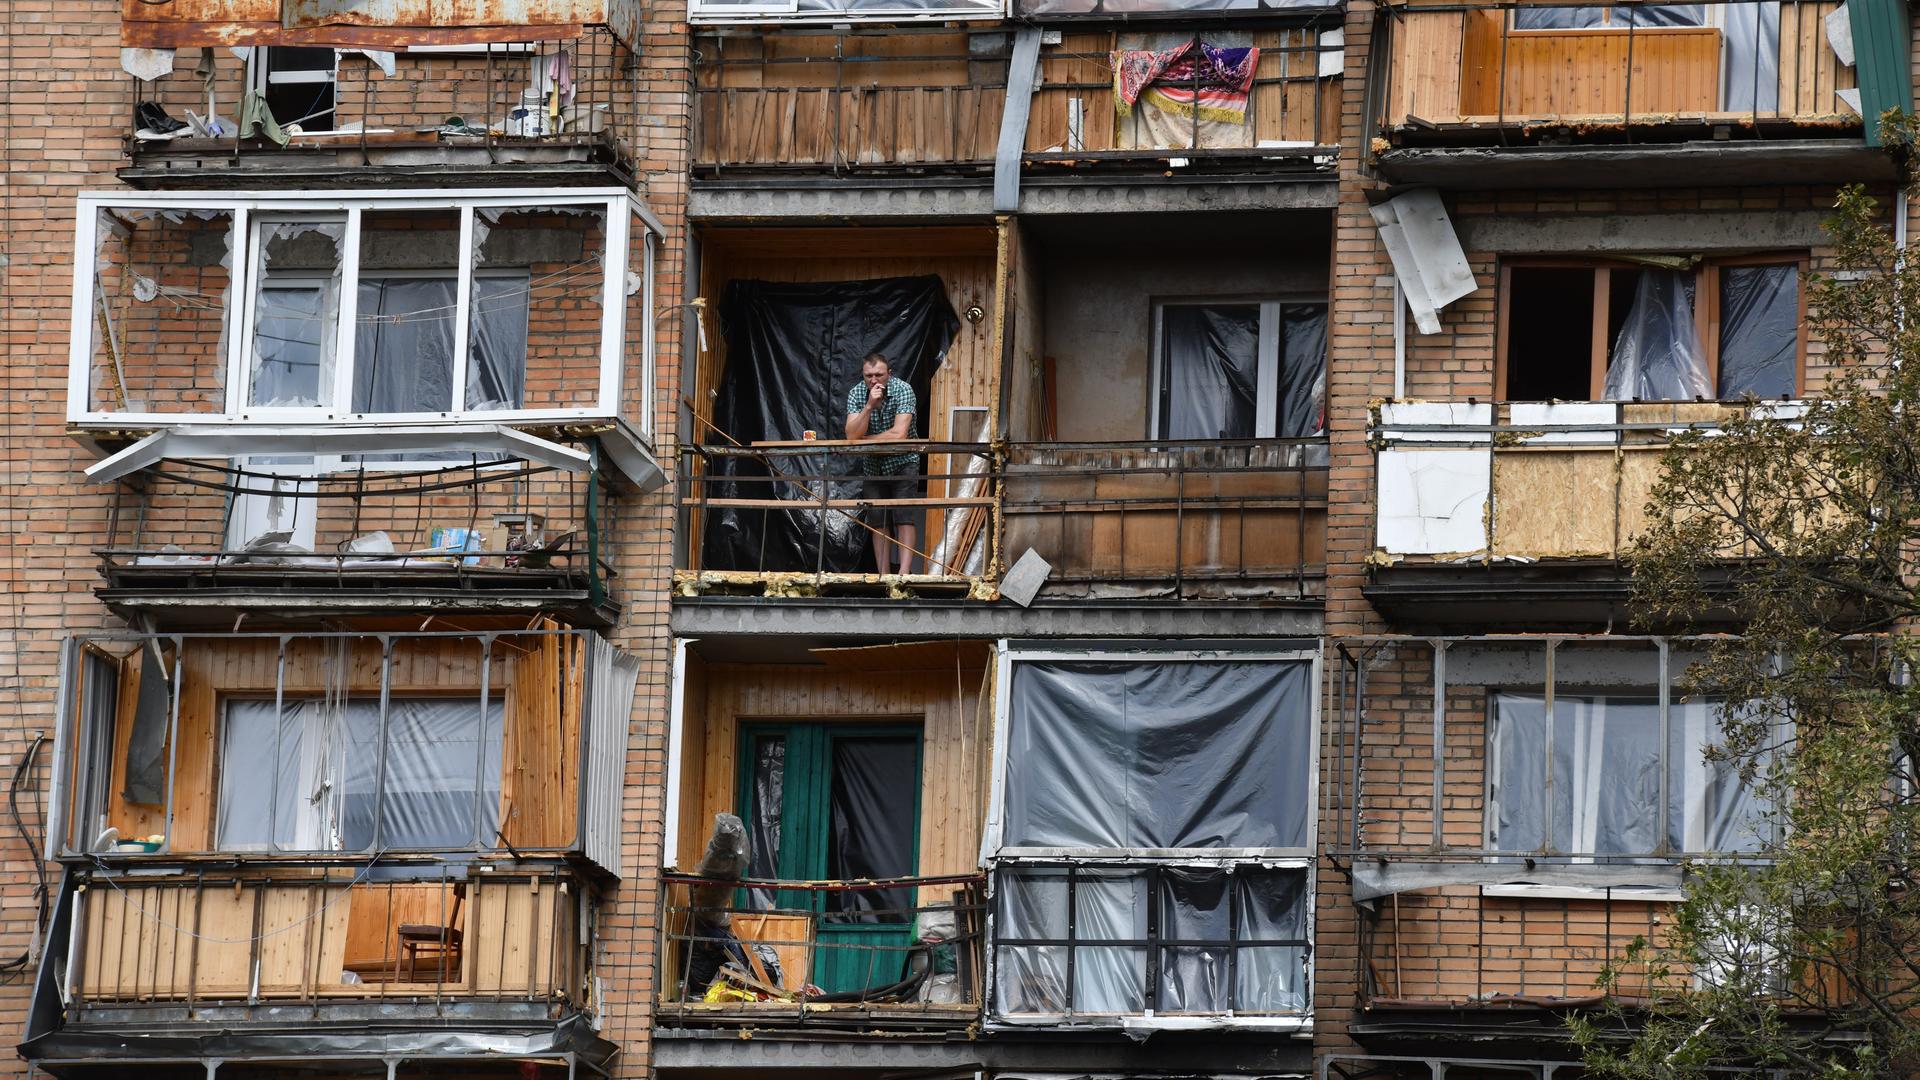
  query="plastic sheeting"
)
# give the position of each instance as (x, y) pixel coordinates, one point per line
(1212, 384)
(1581, 18)
(1118, 756)
(793, 350)
(1226, 940)
(1750, 57)
(1759, 330)
(1657, 355)
(1605, 756)
(874, 789)
(763, 829)
(146, 768)
(295, 311)
(497, 342)
(1303, 371)
(317, 781)
(403, 347)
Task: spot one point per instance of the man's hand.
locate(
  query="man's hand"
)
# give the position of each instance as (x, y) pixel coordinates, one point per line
(875, 393)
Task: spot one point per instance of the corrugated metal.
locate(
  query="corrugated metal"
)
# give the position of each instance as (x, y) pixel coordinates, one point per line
(611, 678)
(1881, 36)
(381, 24)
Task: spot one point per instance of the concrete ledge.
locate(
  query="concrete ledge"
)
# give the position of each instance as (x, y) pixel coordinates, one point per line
(709, 617)
(812, 198)
(1689, 164)
(1075, 1054)
(1689, 230)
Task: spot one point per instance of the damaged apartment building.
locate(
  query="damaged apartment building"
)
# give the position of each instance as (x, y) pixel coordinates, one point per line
(490, 642)
(1260, 696)
(351, 488)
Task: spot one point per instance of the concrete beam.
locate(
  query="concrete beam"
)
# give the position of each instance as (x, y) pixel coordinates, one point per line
(675, 1051)
(1690, 231)
(711, 617)
(960, 198)
(1653, 165)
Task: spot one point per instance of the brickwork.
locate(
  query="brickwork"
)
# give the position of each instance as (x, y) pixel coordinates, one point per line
(65, 115)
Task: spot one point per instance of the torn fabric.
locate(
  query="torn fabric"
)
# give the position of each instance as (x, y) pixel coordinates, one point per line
(1188, 94)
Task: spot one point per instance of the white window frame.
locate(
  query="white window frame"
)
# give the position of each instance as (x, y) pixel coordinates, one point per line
(994, 853)
(1266, 423)
(618, 206)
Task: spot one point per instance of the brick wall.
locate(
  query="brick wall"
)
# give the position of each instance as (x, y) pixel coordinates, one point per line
(61, 126)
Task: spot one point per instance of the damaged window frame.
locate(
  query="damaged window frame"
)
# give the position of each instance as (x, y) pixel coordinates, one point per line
(621, 215)
(996, 855)
(1706, 275)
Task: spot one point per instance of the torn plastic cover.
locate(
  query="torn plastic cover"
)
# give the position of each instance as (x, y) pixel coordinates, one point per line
(874, 789)
(1226, 940)
(1119, 755)
(146, 768)
(1759, 330)
(793, 350)
(763, 826)
(1212, 381)
(1606, 765)
(1303, 371)
(442, 775)
(1657, 355)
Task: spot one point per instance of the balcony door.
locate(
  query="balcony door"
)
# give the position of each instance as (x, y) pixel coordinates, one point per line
(836, 801)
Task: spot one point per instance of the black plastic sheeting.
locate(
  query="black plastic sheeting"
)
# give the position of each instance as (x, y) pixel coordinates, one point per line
(871, 832)
(1759, 330)
(1175, 754)
(763, 831)
(1211, 389)
(793, 351)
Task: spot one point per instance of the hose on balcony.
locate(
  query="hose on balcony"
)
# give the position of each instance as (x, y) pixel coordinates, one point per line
(26, 838)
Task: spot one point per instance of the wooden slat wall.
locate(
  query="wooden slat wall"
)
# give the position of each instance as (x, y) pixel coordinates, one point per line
(1282, 107)
(944, 700)
(1447, 68)
(929, 107)
(541, 741)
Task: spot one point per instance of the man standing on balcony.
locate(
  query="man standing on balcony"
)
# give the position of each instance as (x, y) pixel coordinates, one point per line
(880, 408)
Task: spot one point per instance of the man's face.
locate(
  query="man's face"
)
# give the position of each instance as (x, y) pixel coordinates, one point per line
(875, 374)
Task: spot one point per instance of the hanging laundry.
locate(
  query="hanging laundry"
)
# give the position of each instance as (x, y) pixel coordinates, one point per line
(1192, 95)
(256, 119)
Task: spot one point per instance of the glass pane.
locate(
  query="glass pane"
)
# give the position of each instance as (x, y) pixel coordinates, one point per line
(295, 312)
(1210, 370)
(874, 793)
(162, 290)
(536, 344)
(1759, 330)
(763, 826)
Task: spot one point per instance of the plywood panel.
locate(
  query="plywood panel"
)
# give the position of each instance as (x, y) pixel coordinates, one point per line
(1555, 503)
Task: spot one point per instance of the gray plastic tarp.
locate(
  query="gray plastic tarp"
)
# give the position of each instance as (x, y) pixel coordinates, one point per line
(1759, 330)
(1159, 755)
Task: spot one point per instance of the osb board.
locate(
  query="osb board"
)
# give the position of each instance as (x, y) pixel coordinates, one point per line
(540, 786)
(139, 943)
(953, 784)
(1559, 504)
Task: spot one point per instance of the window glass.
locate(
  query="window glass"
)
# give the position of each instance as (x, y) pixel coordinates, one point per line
(1759, 330)
(296, 308)
(1589, 782)
(1126, 755)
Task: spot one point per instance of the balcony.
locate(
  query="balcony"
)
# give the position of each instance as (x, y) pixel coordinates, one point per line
(1556, 90)
(1517, 810)
(913, 101)
(1518, 512)
(275, 325)
(195, 543)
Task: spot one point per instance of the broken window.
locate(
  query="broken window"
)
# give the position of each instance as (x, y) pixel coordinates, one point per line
(1658, 329)
(306, 774)
(1588, 781)
(298, 84)
(1114, 793)
(1247, 370)
(295, 312)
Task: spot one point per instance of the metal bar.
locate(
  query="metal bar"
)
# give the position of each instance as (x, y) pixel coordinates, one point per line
(1662, 842)
(1439, 740)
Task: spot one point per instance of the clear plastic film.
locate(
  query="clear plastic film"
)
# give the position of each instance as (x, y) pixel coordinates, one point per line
(1750, 57)
(1657, 355)
(1120, 755)
(1111, 905)
(497, 343)
(1759, 330)
(763, 828)
(1210, 389)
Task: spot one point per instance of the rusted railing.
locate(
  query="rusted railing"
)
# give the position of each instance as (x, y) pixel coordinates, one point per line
(325, 933)
(888, 952)
(1464, 71)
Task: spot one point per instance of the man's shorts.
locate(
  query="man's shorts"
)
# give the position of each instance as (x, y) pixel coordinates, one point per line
(904, 486)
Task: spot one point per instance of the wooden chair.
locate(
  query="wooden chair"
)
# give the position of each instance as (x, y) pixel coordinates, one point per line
(440, 943)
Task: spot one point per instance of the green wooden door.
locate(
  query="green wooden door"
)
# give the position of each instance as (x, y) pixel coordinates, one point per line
(831, 802)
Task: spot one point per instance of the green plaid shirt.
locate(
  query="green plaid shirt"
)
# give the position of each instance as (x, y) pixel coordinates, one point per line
(899, 399)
